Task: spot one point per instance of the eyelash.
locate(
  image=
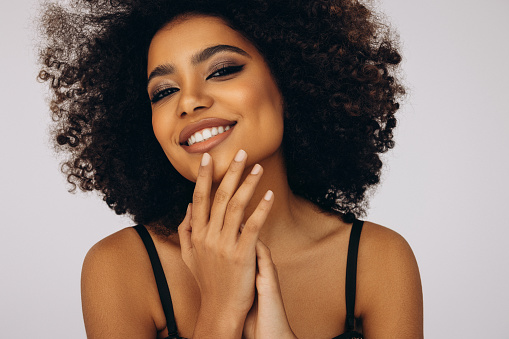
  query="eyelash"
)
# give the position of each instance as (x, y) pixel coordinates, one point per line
(225, 70)
(160, 94)
(222, 71)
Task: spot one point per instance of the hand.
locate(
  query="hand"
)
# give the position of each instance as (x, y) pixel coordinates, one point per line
(222, 260)
(267, 318)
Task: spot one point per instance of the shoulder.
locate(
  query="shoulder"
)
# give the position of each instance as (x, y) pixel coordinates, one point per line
(116, 257)
(383, 243)
(119, 294)
(389, 285)
(114, 248)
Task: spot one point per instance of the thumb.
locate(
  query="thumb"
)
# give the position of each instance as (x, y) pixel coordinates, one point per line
(267, 274)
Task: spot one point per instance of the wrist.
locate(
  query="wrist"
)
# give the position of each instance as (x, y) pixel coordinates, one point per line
(216, 321)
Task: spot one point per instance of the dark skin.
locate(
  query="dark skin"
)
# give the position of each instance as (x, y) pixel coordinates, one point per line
(251, 259)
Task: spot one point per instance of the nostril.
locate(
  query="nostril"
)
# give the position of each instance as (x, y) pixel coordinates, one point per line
(199, 107)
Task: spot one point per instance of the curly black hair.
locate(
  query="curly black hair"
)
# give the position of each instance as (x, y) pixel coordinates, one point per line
(334, 61)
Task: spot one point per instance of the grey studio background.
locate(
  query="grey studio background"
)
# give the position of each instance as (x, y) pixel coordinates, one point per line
(445, 185)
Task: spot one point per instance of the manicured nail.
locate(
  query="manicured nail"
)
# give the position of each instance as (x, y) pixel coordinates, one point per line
(268, 195)
(256, 169)
(205, 159)
(241, 155)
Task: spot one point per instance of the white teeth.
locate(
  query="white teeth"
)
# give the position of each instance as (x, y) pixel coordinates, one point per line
(198, 136)
(206, 133)
(191, 140)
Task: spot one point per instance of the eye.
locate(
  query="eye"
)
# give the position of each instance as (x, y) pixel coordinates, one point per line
(225, 70)
(162, 93)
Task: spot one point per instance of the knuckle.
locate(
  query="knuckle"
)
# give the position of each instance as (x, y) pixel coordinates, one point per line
(223, 252)
(235, 167)
(235, 205)
(202, 172)
(196, 240)
(238, 258)
(251, 226)
(264, 208)
(221, 196)
(198, 197)
(209, 245)
(250, 180)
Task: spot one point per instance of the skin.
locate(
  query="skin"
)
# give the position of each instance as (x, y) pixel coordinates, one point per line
(249, 97)
(294, 254)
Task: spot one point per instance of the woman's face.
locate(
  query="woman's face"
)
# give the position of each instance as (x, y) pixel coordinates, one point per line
(211, 91)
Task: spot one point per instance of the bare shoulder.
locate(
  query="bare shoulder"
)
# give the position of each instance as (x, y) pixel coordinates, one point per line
(389, 287)
(120, 254)
(115, 247)
(118, 288)
(382, 241)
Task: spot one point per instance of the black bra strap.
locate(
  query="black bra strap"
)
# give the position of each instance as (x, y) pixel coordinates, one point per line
(162, 285)
(351, 273)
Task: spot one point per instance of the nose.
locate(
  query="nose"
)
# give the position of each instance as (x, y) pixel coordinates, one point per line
(193, 98)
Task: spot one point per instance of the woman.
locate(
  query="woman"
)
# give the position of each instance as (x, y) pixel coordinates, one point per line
(272, 116)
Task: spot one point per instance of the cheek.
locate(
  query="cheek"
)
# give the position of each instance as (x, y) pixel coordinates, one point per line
(157, 126)
(259, 99)
(264, 112)
(268, 104)
(162, 128)
(162, 125)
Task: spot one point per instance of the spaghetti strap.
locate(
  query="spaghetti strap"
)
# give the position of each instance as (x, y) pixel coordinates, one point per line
(162, 284)
(351, 273)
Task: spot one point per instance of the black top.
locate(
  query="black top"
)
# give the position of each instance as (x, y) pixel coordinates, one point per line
(350, 285)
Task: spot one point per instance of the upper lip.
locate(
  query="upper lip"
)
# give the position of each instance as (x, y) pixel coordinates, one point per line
(201, 124)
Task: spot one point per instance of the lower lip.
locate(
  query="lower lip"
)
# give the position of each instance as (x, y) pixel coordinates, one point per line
(207, 145)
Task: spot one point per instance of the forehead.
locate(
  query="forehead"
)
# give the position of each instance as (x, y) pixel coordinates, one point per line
(178, 40)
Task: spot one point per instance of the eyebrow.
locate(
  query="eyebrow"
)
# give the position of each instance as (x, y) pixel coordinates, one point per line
(196, 59)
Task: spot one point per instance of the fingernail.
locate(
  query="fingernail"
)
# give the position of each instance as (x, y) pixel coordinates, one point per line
(205, 159)
(241, 155)
(268, 195)
(256, 169)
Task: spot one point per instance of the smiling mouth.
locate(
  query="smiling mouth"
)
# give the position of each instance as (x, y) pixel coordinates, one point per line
(207, 133)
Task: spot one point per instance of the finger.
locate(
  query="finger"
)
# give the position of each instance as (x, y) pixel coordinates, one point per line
(226, 189)
(254, 223)
(235, 209)
(184, 232)
(201, 195)
(267, 280)
(264, 259)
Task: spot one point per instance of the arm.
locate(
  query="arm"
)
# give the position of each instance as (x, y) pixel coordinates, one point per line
(389, 293)
(114, 301)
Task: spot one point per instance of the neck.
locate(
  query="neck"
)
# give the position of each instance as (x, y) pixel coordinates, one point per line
(288, 213)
